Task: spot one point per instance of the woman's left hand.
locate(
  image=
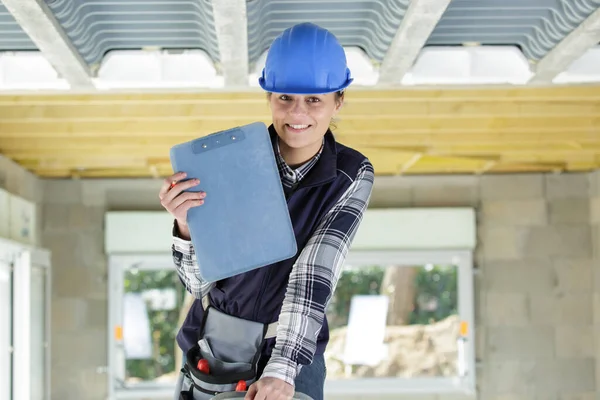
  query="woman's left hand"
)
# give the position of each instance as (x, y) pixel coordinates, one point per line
(270, 389)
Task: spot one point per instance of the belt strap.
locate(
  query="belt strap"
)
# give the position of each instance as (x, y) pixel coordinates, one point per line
(271, 328)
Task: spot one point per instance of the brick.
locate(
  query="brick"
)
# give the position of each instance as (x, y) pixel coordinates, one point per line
(595, 210)
(573, 275)
(64, 248)
(77, 281)
(20, 182)
(480, 341)
(573, 341)
(79, 349)
(501, 243)
(520, 343)
(596, 318)
(514, 212)
(456, 191)
(56, 217)
(63, 379)
(85, 217)
(68, 314)
(578, 396)
(565, 375)
(508, 379)
(389, 192)
(91, 244)
(93, 385)
(62, 191)
(556, 241)
(535, 275)
(567, 185)
(570, 309)
(569, 211)
(506, 309)
(594, 183)
(97, 316)
(512, 187)
(93, 194)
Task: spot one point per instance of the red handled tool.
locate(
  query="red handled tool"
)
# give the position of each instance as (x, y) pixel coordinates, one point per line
(203, 366)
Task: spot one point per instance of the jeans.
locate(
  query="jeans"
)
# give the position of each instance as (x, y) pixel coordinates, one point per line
(311, 378)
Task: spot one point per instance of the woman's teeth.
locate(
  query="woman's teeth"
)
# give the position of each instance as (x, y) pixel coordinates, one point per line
(298, 126)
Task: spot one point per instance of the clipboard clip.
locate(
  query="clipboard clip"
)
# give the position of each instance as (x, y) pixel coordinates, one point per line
(217, 140)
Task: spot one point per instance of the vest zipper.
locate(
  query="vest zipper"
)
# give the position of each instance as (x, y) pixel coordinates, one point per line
(263, 285)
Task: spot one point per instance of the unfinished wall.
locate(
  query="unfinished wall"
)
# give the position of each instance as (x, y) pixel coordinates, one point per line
(595, 220)
(20, 182)
(534, 293)
(534, 304)
(73, 231)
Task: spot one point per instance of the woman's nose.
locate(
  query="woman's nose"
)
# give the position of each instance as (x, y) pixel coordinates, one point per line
(298, 107)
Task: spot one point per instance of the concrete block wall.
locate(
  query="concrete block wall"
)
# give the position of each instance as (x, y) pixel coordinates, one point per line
(73, 230)
(537, 297)
(534, 296)
(20, 182)
(595, 225)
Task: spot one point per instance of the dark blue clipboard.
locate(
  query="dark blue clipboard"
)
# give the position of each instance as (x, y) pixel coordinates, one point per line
(244, 222)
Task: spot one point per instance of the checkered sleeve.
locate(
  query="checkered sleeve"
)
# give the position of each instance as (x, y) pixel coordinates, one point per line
(313, 280)
(184, 258)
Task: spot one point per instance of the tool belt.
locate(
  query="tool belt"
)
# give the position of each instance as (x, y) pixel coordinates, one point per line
(225, 358)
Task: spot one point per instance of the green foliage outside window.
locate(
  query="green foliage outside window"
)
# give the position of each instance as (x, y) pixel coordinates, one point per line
(435, 299)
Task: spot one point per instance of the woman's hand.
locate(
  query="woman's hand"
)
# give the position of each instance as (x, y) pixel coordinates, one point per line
(270, 389)
(178, 203)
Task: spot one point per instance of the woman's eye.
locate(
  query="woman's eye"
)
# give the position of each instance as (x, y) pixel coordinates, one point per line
(284, 97)
(313, 100)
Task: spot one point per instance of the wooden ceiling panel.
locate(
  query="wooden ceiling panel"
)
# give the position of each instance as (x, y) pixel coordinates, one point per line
(416, 131)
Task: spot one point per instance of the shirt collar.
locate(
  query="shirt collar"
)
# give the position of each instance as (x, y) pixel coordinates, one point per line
(289, 175)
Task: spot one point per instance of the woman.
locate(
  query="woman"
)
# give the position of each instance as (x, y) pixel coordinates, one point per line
(327, 186)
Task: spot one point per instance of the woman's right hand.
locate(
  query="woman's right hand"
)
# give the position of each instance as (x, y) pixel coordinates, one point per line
(178, 203)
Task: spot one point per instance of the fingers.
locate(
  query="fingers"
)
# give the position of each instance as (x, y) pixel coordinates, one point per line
(166, 186)
(251, 392)
(178, 188)
(187, 198)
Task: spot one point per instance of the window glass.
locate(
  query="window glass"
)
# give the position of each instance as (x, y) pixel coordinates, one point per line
(394, 321)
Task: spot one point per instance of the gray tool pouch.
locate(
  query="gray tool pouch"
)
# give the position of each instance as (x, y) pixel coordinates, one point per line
(232, 347)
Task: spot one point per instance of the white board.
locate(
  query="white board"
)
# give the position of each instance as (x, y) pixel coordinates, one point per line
(366, 330)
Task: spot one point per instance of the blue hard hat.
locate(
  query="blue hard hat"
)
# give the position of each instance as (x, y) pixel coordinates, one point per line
(305, 59)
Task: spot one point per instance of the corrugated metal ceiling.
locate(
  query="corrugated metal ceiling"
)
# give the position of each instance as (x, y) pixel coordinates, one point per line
(98, 26)
(368, 24)
(12, 37)
(536, 26)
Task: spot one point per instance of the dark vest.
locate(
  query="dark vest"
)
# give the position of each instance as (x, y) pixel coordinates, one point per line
(258, 295)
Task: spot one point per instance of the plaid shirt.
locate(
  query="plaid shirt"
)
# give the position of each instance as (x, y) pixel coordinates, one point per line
(321, 260)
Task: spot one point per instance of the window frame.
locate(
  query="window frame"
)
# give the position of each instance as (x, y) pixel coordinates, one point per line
(118, 264)
(463, 260)
(21, 259)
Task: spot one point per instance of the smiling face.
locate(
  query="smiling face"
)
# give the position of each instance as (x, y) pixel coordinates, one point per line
(301, 121)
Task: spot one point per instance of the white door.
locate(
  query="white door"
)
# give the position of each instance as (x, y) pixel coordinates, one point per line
(5, 331)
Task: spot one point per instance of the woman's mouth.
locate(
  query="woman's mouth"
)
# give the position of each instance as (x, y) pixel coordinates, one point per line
(297, 128)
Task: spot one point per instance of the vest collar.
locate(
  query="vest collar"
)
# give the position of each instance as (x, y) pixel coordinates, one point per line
(325, 170)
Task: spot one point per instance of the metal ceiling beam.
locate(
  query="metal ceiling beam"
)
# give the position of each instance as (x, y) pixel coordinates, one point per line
(573, 46)
(417, 24)
(38, 21)
(231, 25)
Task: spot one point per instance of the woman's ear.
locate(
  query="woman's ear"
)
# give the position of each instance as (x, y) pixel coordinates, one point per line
(339, 102)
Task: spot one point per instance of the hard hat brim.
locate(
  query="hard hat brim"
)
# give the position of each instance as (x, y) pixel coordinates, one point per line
(303, 91)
